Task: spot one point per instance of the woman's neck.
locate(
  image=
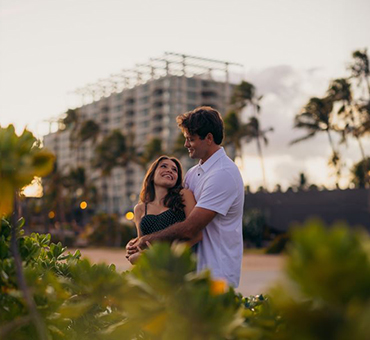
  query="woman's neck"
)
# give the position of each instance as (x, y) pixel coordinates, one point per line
(160, 194)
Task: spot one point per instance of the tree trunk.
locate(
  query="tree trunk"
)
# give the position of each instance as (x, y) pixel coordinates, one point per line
(259, 148)
(30, 303)
(337, 166)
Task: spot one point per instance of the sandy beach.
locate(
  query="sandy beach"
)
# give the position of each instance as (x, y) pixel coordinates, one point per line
(259, 271)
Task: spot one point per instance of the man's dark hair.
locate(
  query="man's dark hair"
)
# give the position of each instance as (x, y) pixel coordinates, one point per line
(202, 121)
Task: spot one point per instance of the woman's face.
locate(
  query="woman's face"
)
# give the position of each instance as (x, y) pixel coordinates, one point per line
(166, 174)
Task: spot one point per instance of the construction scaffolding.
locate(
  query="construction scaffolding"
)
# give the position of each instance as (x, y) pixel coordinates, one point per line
(170, 63)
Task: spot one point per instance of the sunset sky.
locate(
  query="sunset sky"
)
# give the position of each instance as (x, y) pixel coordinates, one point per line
(290, 50)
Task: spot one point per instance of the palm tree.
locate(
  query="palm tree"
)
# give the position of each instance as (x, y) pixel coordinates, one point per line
(89, 131)
(179, 149)
(245, 94)
(364, 126)
(359, 177)
(71, 118)
(235, 132)
(55, 197)
(340, 91)
(254, 132)
(361, 67)
(152, 150)
(113, 151)
(81, 189)
(316, 117)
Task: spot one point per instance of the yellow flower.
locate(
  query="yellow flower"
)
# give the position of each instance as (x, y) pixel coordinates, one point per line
(218, 287)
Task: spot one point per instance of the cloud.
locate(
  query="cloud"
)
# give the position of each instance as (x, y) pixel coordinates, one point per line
(285, 91)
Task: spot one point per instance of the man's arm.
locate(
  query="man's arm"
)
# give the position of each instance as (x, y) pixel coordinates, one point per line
(183, 231)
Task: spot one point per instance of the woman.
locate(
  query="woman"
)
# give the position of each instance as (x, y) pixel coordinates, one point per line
(163, 200)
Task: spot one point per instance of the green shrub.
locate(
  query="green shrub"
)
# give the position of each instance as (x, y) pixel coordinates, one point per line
(254, 224)
(107, 230)
(278, 244)
(326, 293)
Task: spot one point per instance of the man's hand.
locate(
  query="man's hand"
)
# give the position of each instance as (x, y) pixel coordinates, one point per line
(136, 245)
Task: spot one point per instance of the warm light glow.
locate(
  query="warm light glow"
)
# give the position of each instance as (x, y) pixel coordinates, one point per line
(51, 214)
(83, 205)
(130, 215)
(34, 189)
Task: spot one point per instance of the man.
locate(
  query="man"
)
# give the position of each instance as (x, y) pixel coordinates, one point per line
(218, 189)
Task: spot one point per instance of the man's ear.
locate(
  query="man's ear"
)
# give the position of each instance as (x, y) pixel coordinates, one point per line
(209, 138)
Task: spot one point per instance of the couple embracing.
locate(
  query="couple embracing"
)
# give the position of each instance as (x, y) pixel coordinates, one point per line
(206, 210)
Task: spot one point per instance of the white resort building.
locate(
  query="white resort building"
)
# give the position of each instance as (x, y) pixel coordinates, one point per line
(142, 102)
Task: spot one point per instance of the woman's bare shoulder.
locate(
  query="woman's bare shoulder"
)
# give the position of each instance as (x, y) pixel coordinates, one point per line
(139, 208)
(186, 192)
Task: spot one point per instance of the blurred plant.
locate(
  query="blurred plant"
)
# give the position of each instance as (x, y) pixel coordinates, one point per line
(152, 150)
(21, 160)
(358, 176)
(112, 152)
(106, 230)
(254, 225)
(179, 149)
(326, 294)
(89, 131)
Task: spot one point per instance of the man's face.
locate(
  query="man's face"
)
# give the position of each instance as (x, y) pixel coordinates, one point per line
(197, 147)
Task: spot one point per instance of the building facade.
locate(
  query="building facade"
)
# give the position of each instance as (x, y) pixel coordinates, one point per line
(143, 104)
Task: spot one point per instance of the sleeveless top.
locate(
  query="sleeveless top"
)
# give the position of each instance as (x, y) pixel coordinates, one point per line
(152, 223)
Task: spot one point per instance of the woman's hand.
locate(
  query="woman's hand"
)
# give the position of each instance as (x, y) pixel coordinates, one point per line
(131, 248)
(133, 258)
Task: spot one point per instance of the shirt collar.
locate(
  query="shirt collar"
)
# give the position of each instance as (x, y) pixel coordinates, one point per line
(212, 160)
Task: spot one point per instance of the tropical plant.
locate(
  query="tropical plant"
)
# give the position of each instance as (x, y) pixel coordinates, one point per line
(89, 131)
(21, 160)
(179, 149)
(245, 95)
(360, 67)
(112, 152)
(56, 197)
(107, 230)
(359, 177)
(152, 150)
(316, 117)
(325, 293)
(254, 132)
(340, 91)
(235, 132)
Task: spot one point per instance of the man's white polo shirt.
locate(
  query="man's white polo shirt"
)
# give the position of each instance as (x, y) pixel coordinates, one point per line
(218, 186)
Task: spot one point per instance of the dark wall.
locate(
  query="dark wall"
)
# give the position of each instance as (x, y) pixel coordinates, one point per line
(283, 209)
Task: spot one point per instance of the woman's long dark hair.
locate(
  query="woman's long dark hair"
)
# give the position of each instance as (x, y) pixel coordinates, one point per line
(173, 199)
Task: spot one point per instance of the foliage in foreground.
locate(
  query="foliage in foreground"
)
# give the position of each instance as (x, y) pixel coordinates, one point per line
(324, 295)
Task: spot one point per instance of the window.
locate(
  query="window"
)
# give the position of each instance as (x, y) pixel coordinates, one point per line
(144, 100)
(192, 95)
(191, 82)
(144, 124)
(118, 108)
(130, 101)
(144, 112)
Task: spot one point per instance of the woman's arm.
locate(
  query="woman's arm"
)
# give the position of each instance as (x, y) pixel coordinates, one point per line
(189, 202)
(138, 215)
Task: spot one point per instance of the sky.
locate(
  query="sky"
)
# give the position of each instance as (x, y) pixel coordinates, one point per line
(290, 50)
